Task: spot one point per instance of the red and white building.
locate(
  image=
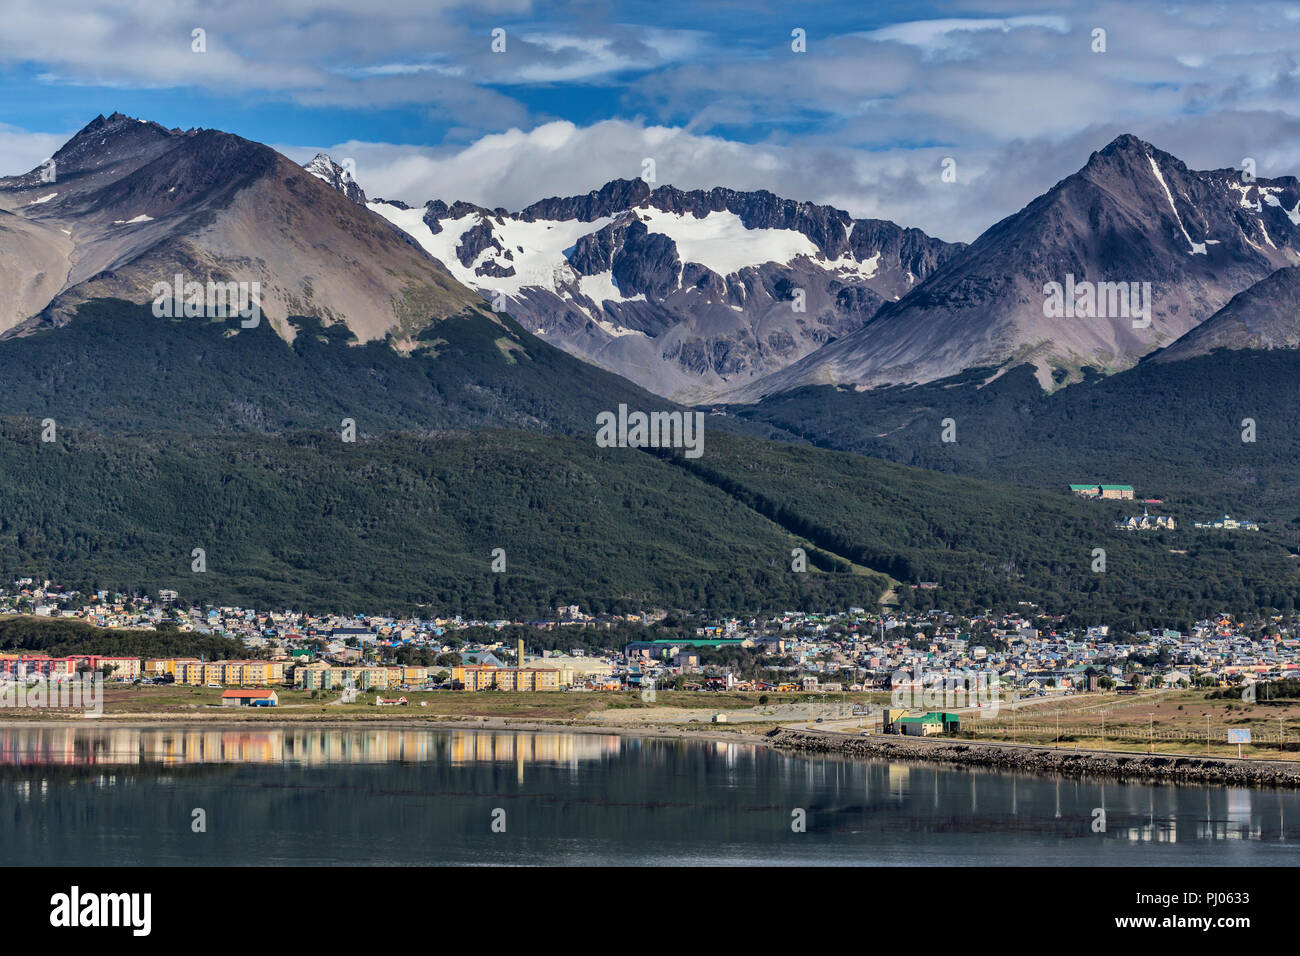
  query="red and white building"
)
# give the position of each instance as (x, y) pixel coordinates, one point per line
(34, 666)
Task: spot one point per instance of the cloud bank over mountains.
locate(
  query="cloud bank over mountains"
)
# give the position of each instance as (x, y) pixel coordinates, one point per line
(581, 93)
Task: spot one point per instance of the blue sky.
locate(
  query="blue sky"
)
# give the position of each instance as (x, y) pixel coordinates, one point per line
(559, 79)
(412, 92)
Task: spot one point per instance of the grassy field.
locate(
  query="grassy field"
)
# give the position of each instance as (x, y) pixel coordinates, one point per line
(1164, 721)
(177, 698)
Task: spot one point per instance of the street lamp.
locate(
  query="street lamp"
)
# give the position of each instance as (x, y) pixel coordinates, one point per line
(1151, 733)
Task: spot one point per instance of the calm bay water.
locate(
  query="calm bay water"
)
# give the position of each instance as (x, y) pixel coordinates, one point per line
(114, 796)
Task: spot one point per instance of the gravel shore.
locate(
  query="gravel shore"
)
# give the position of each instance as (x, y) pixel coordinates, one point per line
(1075, 763)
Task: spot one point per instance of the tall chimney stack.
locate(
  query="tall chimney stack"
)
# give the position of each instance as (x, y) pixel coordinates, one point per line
(519, 656)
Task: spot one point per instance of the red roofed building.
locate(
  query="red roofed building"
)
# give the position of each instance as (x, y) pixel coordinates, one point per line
(249, 698)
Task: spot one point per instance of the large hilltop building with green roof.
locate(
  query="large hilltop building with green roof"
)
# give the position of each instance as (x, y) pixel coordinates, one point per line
(1117, 492)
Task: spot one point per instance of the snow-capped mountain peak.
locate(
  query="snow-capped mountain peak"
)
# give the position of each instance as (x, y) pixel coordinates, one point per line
(338, 176)
(688, 293)
(1135, 224)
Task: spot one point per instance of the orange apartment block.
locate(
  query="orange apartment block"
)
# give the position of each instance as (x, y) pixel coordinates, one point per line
(485, 676)
(229, 673)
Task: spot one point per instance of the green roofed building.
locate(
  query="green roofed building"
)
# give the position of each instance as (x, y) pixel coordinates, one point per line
(928, 724)
(1103, 491)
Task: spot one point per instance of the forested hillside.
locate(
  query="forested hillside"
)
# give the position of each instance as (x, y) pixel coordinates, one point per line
(394, 523)
(1174, 431)
(993, 546)
(406, 522)
(118, 368)
(60, 638)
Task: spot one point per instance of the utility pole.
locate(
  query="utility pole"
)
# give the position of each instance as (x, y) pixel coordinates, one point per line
(1151, 733)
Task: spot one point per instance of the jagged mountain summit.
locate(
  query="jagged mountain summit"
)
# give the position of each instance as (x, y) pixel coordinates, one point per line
(689, 294)
(325, 169)
(700, 296)
(1133, 219)
(126, 204)
(356, 321)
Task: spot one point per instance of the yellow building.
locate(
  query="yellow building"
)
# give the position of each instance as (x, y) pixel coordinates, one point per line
(252, 673)
(311, 676)
(414, 675)
(320, 676)
(196, 673)
(483, 677)
(161, 667)
(376, 678)
(124, 668)
(229, 673)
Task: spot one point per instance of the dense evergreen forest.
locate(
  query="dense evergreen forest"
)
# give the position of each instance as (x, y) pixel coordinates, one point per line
(60, 638)
(994, 546)
(1174, 431)
(117, 368)
(398, 523)
(172, 436)
(408, 523)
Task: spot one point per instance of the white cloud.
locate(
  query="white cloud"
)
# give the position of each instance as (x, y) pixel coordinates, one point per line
(935, 36)
(431, 53)
(21, 151)
(517, 168)
(861, 120)
(568, 57)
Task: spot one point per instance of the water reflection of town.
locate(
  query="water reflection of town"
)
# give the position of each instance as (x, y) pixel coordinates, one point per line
(110, 747)
(1133, 813)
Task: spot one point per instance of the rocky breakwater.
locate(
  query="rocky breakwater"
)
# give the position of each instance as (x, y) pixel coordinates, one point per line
(1075, 763)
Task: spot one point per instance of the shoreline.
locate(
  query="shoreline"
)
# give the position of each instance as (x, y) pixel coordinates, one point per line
(1018, 758)
(1029, 758)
